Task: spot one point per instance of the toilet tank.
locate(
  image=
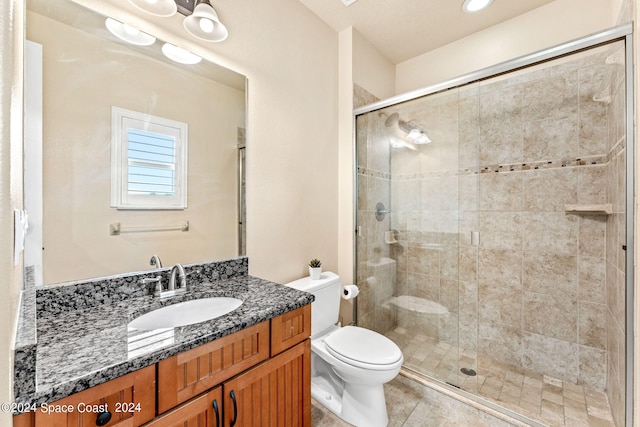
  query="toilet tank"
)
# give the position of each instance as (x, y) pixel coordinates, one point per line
(326, 306)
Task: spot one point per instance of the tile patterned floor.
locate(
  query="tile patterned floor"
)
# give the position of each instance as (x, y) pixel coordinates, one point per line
(548, 400)
(412, 405)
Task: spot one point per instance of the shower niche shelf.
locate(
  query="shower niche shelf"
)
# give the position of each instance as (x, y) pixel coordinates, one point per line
(596, 209)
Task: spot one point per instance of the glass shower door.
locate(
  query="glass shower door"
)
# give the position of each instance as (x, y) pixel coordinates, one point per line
(416, 264)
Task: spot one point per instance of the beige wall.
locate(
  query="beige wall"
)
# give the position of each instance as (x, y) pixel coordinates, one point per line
(371, 70)
(346, 222)
(549, 25)
(77, 153)
(11, 54)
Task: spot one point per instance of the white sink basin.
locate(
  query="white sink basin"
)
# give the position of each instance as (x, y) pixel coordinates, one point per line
(186, 313)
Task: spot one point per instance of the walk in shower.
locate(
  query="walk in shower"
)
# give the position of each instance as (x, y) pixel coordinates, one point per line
(494, 231)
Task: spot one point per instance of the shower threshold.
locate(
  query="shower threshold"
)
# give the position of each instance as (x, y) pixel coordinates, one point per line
(516, 395)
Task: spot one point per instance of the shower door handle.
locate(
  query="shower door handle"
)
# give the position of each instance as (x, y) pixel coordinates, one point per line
(475, 238)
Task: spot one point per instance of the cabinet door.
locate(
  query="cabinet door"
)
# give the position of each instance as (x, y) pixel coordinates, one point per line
(186, 375)
(24, 420)
(290, 328)
(274, 393)
(203, 411)
(128, 400)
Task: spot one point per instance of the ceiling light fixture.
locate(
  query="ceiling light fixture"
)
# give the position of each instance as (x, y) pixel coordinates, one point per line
(180, 55)
(471, 6)
(204, 23)
(128, 34)
(162, 8)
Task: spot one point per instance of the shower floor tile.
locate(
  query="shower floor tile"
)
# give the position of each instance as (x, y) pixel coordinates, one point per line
(548, 400)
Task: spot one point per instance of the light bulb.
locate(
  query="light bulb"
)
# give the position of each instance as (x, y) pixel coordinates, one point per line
(130, 30)
(180, 55)
(424, 139)
(206, 25)
(414, 134)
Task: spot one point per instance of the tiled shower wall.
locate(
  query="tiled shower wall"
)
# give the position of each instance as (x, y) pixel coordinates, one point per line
(507, 155)
(541, 292)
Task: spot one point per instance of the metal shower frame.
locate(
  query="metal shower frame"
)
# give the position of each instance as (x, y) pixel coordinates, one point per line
(620, 33)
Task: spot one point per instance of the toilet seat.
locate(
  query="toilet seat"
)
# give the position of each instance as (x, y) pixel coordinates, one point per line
(363, 348)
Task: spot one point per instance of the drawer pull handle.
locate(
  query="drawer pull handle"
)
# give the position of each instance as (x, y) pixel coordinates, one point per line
(215, 408)
(103, 418)
(235, 408)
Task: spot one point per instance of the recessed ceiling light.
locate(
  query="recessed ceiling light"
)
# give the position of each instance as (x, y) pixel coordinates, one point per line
(471, 6)
(348, 2)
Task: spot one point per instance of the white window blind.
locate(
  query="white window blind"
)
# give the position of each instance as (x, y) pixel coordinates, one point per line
(148, 161)
(152, 163)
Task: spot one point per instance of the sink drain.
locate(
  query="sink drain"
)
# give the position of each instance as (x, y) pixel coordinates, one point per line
(468, 371)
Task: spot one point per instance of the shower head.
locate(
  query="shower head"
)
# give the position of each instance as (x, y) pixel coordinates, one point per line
(392, 119)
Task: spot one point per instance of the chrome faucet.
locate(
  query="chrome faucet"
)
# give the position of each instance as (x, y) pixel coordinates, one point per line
(178, 271)
(155, 260)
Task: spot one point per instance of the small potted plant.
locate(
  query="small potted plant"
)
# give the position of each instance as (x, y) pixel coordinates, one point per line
(315, 268)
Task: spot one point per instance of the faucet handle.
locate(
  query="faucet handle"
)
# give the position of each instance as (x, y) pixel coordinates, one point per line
(155, 261)
(157, 280)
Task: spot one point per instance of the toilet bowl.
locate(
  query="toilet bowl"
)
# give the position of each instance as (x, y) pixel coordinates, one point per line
(349, 365)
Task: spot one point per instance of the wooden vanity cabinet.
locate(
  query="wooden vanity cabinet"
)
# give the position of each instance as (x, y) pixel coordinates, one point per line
(265, 391)
(258, 376)
(274, 393)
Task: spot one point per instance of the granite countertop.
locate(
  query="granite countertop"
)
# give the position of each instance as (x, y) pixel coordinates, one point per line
(86, 346)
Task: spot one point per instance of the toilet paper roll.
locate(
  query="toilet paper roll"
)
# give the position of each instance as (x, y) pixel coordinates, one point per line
(350, 291)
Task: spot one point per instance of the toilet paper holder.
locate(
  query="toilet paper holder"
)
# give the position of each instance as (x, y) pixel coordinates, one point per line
(349, 292)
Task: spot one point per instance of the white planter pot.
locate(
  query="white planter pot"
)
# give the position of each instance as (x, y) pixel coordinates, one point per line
(315, 272)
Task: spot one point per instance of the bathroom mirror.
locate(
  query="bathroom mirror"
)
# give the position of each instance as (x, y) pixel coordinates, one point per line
(86, 71)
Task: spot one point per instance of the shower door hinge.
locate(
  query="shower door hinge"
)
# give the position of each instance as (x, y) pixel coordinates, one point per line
(359, 231)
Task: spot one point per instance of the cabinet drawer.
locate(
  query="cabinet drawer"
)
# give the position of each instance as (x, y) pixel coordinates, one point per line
(192, 372)
(205, 410)
(129, 399)
(290, 329)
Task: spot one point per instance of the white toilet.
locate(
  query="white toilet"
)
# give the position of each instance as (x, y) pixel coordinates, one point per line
(349, 364)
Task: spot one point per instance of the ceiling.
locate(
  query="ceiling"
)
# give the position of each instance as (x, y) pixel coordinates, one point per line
(403, 29)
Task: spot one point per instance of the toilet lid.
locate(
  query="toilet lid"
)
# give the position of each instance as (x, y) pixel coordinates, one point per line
(355, 344)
